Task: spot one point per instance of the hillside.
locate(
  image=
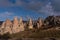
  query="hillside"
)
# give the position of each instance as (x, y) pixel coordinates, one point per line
(49, 29)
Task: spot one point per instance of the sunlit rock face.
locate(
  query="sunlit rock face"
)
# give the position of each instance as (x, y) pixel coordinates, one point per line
(39, 22)
(8, 26)
(30, 25)
(12, 27)
(2, 28)
(3, 25)
(15, 25)
(21, 24)
(18, 25)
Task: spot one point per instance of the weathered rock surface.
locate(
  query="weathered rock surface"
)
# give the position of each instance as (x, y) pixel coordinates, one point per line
(39, 22)
(6, 27)
(15, 25)
(53, 20)
(30, 24)
(21, 25)
(2, 28)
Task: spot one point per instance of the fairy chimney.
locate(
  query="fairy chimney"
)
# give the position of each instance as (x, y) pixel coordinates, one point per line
(21, 24)
(30, 25)
(39, 22)
(8, 23)
(3, 25)
(2, 28)
(8, 26)
(15, 25)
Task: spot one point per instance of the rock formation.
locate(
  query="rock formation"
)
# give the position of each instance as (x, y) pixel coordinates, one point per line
(30, 24)
(2, 28)
(18, 26)
(39, 22)
(15, 25)
(21, 25)
(3, 25)
(53, 20)
(8, 26)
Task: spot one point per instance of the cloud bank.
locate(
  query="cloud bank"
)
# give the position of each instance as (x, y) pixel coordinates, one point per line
(47, 7)
(6, 14)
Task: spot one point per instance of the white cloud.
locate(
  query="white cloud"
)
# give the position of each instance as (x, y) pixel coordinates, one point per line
(6, 14)
(35, 5)
(48, 10)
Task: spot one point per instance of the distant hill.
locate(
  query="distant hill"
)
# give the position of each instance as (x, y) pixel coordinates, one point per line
(53, 20)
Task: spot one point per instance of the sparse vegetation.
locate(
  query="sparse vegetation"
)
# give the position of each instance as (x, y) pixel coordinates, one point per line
(37, 34)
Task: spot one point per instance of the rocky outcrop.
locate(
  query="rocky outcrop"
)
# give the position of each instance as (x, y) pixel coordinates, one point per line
(2, 28)
(21, 25)
(3, 25)
(30, 24)
(39, 23)
(53, 20)
(18, 25)
(6, 27)
(15, 25)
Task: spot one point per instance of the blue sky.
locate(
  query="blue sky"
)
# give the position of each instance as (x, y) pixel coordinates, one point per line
(30, 8)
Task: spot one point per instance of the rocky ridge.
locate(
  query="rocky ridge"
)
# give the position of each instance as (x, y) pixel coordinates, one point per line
(16, 25)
